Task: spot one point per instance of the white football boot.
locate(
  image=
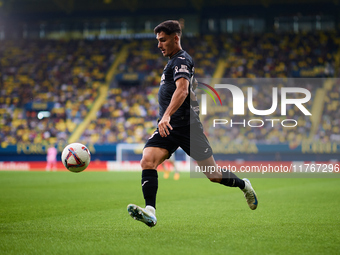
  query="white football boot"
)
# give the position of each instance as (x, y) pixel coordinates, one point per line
(146, 215)
(250, 195)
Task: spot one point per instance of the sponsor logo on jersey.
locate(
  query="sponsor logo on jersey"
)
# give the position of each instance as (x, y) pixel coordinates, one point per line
(162, 79)
(183, 69)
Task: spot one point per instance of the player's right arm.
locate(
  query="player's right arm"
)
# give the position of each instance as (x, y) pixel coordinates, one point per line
(177, 100)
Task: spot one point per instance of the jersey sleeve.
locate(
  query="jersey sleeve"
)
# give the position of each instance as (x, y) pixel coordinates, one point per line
(181, 69)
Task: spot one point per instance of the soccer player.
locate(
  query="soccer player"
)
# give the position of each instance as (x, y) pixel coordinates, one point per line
(177, 120)
(167, 165)
(51, 158)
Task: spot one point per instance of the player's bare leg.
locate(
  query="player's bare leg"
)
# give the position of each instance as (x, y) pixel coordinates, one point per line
(214, 176)
(176, 175)
(228, 178)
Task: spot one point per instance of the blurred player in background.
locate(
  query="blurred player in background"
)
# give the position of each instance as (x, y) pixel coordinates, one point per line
(178, 123)
(168, 165)
(51, 158)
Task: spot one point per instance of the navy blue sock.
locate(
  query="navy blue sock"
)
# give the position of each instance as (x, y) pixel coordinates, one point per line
(150, 186)
(231, 180)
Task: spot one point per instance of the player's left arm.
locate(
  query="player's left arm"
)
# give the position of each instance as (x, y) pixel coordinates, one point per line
(178, 98)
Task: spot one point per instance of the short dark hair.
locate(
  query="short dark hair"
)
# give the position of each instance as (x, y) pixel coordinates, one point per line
(169, 27)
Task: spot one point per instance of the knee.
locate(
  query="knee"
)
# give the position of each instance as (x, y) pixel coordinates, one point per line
(147, 163)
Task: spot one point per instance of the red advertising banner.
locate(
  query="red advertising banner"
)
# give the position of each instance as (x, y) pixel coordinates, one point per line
(42, 166)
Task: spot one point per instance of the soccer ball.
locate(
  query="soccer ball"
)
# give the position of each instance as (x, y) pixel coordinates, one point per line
(76, 157)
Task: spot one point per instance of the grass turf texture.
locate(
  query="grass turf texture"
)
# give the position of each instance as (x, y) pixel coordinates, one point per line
(85, 213)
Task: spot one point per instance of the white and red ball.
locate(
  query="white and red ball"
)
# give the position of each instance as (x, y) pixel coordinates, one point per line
(76, 157)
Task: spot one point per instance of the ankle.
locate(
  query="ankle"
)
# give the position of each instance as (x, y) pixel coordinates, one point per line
(150, 209)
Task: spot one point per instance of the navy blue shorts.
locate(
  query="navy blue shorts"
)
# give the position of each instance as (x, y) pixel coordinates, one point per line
(190, 138)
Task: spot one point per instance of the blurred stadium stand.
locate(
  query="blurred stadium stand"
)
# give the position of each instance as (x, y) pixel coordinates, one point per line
(57, 58)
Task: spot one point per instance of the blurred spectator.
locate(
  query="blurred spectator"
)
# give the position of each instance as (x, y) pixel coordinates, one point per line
(329, 130)
(280, 55)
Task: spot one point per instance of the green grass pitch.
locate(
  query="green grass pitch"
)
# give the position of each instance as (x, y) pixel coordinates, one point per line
(85, 213)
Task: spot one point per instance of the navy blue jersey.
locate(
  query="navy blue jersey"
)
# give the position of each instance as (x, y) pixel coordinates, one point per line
(180, 65)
